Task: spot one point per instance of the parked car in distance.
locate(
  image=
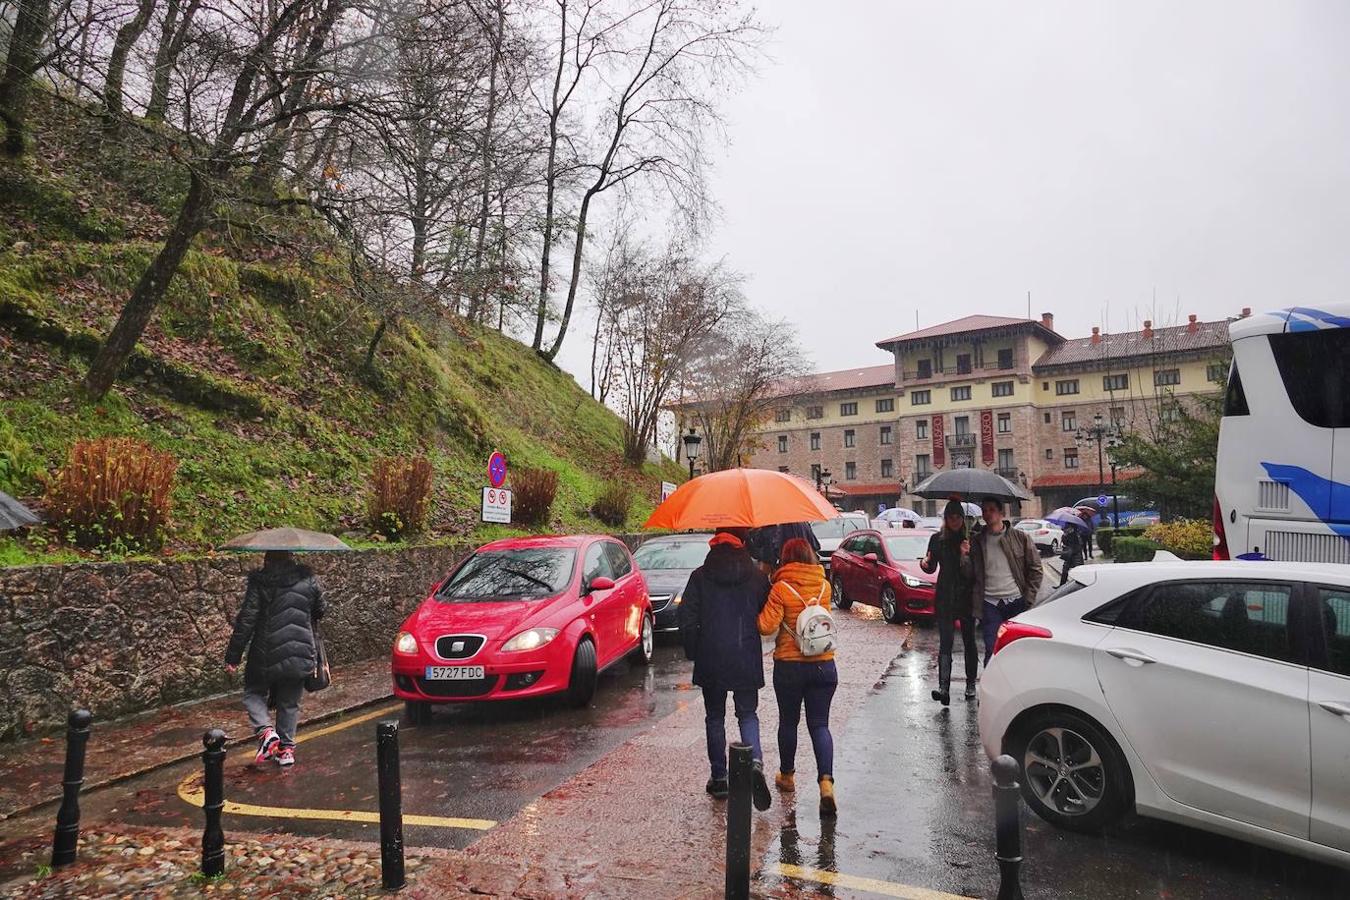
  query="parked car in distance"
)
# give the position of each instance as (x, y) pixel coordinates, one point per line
(1214, 694)
(524, 617)
(1143, 520)
(1047, 536)
(832, 532)
(667, 562)
(881, 568)
(932, 523)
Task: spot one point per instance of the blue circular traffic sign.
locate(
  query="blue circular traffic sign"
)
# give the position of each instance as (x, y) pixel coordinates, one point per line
(497, 469)
(1102, 498)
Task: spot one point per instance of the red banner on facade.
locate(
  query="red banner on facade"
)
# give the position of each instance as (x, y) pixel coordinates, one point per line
(987, 436)
(939, 443)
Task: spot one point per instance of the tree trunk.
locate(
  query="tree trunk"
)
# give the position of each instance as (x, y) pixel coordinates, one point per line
(577, 253)
(126, 38)
(550, 185)
(479, 302)
(171, 42)
(30, 27)
(369, 364)
(150, 289)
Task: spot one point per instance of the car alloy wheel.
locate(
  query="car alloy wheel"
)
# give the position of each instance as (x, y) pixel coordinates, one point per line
(1054, 546)
(1065, 771)
(841, 601)
(648, 640)
(890, 608)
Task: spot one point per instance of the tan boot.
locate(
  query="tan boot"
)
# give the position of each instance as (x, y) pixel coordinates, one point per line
(785, 782)
(827, 805)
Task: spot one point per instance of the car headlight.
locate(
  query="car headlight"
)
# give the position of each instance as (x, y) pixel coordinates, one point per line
(911, 581)
(530, 640)
(405, 643)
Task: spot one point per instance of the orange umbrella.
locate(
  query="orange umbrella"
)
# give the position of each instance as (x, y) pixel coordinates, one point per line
(741, 498)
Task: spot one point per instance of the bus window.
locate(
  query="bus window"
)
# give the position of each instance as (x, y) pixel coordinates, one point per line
(1315, 368)
(1235, 398)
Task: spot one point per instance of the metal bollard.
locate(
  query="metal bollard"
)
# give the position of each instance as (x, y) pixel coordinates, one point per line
(391, 805)
(738, 824)
(213, 838)
(1008, 826)
(67, 836)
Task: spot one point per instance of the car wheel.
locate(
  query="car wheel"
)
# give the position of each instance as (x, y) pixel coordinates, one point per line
(581, 684)
(1073, 776)
(1054, 546)
(841, 600)
(642, 653)
(417, 712)
(890, 607)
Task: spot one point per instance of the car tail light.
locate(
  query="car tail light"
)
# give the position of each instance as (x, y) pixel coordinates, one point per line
(1012, 631)
(1044, 531)
(1220, 536)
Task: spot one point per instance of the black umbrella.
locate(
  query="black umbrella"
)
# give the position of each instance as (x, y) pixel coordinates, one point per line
(969, 483)
(14, 514)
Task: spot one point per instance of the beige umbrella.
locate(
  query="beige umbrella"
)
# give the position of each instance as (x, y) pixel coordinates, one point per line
(294, 540)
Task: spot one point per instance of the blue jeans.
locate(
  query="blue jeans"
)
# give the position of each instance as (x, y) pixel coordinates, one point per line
(746, 704)
(995, 614)
(812, 684)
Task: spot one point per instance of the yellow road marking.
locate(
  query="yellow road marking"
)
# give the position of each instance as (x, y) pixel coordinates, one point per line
(190, 790)
(870, 885)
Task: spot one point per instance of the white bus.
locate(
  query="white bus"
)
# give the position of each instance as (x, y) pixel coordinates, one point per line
(1282, 482)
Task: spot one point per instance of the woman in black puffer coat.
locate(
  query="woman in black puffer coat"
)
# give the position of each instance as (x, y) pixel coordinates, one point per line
(276, 623)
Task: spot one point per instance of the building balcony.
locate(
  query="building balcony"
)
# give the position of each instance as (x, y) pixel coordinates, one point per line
(1010, 473)
(961, 440)
(958, 372)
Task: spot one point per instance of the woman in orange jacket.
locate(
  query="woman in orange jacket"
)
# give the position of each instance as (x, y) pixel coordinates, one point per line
(800, 680)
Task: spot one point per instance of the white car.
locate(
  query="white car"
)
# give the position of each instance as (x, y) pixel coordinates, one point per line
(831, 533)
(1046, 535)
(1215, 694)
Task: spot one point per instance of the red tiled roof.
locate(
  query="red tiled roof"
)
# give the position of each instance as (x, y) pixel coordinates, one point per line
(842, 380)
(858, 490)
(960, 326)
(1078, 479)
(1130, 344)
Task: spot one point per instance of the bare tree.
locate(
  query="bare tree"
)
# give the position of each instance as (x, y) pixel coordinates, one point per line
(172, 38)
(21, 62)
(127, 36)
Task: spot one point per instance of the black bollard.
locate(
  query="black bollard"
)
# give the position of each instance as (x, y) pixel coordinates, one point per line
(67, 836)
(1008, 827)
(391, 805)
(213, 838)
(738, 824)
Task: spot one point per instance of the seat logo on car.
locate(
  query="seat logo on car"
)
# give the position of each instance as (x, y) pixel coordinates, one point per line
(457, 647)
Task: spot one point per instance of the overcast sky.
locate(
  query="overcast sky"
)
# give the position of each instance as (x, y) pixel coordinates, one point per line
(944, 157)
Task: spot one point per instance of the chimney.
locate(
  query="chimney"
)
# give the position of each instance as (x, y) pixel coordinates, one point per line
(1148, 329)
(1191, 326)
(1096, 334)
(1048, 320)
(1246, 311)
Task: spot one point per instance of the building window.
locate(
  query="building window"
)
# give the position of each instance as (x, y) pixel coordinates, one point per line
(815, 412)
(962, 424)
(1068, 421)
(1070, 457)
(1118, 416)
(1217, 373)
(1047, 418)
(921, 430)
(815, 471)
(925, 368)
(1005, 358)
(922, 467)
(885, 434)
(1166, 377)
(783, 469)
(784, 415)
(850, 439)
(963, 363)
(848, 409)
(1170, 412)
(887, 468)
(1116, 382)
(920, 398)
(850, 471)
(1049, 454)
(1005, 460)
(1005, 423)
(1003, 388)
(886, 404)
(1069, 386)
(961, 393)
(782, 443)
(815, 440)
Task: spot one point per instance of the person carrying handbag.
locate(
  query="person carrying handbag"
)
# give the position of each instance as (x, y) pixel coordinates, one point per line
(799, 587)
(277, 625)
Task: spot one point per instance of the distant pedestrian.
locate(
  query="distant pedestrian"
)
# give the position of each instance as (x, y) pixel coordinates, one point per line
(1007, 573)
(1071, 552)
(275, 624)
(949, 555)
(799, 679)
(718, 626)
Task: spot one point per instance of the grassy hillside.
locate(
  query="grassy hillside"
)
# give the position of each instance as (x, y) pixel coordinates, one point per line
(249, 373)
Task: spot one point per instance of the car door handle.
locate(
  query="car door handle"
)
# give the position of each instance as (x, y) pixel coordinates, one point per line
(1132, 657)
(1340, 709)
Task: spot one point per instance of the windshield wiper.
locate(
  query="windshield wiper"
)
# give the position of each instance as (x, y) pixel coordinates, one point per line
(528, 577)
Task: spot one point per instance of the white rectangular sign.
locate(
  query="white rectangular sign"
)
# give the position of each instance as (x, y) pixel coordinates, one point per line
(666, 490)
(497, 505)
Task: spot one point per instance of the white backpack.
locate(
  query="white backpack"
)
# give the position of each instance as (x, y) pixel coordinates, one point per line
(815, 632)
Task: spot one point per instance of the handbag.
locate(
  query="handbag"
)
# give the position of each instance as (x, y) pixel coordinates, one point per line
(322, 676)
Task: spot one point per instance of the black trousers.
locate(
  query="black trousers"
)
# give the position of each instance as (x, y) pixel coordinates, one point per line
(946, 638)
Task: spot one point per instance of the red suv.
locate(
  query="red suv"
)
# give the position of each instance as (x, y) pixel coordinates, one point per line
(881, 568)
(521, 618)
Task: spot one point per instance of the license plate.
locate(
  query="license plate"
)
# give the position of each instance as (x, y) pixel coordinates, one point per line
(454, 673)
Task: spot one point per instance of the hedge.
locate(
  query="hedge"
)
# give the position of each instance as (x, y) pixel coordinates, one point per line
(1105, 536)
(1135, 549)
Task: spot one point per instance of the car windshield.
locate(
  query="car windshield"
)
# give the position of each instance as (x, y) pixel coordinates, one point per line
(526, 574)
(1030, 525)
(655, 555)
(837, 529)
(907, 547)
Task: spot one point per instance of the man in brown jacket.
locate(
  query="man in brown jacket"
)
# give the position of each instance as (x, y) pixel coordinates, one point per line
(1007, 573)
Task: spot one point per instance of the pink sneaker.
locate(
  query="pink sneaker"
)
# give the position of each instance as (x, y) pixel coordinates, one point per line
(286, 757)
(268, 741)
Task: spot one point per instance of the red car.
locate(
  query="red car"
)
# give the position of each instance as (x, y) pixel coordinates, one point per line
(521, 618)
(881, 568)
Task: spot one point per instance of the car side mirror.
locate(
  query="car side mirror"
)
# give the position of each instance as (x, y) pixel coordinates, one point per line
(600, 583)
(871, 557)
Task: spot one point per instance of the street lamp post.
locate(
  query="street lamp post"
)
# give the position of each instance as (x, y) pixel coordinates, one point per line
(1101, 434)
(822, 479)
(691, 442)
